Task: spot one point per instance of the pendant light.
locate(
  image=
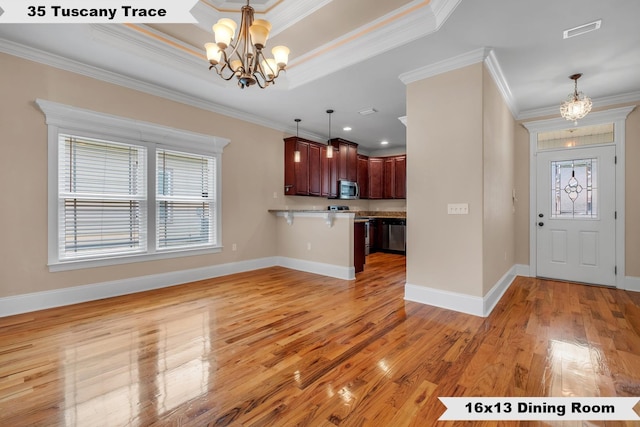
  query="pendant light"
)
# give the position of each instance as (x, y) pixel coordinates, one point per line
(577, 104)
(296, 154)
(329, 146)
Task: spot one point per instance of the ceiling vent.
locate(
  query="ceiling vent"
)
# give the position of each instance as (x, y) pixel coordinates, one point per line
(367, 111)
(582, 29)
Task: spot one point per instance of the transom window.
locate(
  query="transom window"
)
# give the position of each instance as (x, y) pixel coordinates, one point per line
(126, 191)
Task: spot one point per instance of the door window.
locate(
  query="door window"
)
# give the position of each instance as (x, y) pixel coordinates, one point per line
(574, 192)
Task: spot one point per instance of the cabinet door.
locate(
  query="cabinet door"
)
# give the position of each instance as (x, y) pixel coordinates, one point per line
(388, 191)
(400, 184)
(376, 177)
(315, 178)
(343, 157)
(352, 162)
(302, 169)
(363, 176)
(328, 173)
(289, 167)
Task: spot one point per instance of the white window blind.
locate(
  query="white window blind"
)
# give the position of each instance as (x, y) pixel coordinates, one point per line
(185, 200)
(102, 198)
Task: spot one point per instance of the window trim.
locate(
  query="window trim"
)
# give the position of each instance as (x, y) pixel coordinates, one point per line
(66, 119)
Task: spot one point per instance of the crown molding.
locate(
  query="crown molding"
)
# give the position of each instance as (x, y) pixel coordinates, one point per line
(410, 22)
(493, 66)
(281, 15)
(46, 58)
(594, 118)
(606, 101)
(444, 66)
(143, 41)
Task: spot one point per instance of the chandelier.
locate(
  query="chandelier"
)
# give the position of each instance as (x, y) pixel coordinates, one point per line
(243, 57)
(577, 104)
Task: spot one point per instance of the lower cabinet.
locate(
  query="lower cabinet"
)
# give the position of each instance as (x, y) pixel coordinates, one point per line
(359, 255)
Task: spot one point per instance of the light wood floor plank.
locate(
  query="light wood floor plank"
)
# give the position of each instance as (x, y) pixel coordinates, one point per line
(277, 347)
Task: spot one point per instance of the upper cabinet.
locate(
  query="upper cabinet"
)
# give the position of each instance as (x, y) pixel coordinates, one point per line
(363, 176)
(347, 156)
(317, 175)
(376, 177)
(395, 177)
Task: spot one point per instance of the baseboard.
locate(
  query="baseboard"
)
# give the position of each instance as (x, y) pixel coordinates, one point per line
(522, 270)
(331, 270)
(477, 306)
(60, 297)
(73, 295)
(631, 283)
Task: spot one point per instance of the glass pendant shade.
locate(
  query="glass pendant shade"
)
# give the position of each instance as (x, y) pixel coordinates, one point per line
(577, 104)
(296, 154)
(329, 146)
(223, 34)
(213, 53)
(281, 55)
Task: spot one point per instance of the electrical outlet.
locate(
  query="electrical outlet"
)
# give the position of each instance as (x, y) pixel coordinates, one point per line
(234, 247)
(458, 208)
(308, 246)
(275, 194)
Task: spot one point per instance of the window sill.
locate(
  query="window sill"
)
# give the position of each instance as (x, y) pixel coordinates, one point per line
(56, 266)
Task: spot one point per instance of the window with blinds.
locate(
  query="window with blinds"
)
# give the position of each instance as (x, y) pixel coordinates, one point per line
(102, 198)
(123, 190)
(185, 197)
(104, 203)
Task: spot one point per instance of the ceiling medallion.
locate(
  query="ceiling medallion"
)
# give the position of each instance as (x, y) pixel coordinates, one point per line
(245, 59)
(577, 104)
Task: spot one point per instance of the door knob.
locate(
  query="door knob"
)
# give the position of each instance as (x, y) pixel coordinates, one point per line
(541, 215)
(541, 223)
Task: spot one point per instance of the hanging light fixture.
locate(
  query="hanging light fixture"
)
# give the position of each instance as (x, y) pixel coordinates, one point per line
(329, 146)
(577, 104)
(245, 59)
(296, 154)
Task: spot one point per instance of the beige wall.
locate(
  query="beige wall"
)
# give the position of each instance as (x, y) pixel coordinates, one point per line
(252, 170)
(444, 165)
(632, 188)
(328, 245)
(498, 245)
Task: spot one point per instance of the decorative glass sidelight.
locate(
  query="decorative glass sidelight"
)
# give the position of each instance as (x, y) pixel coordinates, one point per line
(574, 189)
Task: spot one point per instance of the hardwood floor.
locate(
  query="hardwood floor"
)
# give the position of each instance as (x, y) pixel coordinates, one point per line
(278, 347)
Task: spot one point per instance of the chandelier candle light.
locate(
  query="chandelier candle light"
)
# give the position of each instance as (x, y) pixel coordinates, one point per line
(245, 59)
(577, 104)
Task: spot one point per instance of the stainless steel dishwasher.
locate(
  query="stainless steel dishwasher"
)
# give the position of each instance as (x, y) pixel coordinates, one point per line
(394, 235)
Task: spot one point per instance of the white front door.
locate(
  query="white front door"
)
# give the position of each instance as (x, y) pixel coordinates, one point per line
(576, 215)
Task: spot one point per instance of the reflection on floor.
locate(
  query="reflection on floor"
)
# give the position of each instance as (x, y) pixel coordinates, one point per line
(277, 347)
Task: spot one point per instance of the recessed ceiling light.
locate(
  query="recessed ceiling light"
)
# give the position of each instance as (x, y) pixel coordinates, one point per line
(346, 128)
(384, 143)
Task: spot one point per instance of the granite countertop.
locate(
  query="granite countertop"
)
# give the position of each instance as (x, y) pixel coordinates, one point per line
(359, 214)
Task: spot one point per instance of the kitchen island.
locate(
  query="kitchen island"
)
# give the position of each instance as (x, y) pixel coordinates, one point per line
(327, 242)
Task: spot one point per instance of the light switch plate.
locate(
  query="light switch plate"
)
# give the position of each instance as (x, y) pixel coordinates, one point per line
(458, 208)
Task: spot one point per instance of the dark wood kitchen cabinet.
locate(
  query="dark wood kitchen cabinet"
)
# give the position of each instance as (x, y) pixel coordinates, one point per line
(363, 176)
(359, 254)
(302, 178)
(376, 177)
(328, 174)
(315, 170)
(347, 158)
(395, 177)
(400, 179)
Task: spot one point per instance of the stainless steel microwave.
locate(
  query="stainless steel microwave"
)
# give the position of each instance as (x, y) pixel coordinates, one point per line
(348, 190)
